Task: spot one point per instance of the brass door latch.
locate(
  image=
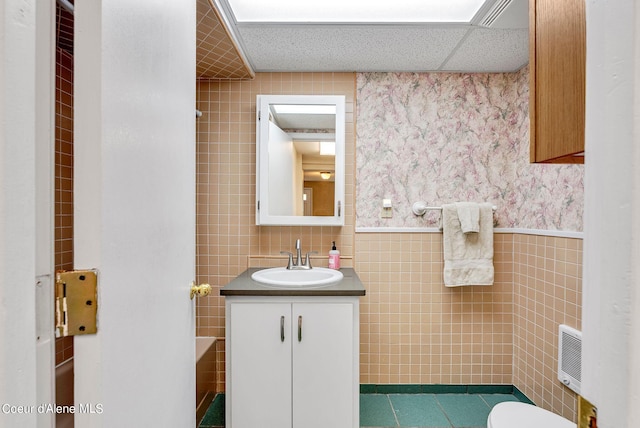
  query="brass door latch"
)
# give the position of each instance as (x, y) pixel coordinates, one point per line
(76, 302)
(199, 290)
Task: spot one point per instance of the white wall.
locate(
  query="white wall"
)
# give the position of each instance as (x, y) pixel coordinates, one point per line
(611, 299)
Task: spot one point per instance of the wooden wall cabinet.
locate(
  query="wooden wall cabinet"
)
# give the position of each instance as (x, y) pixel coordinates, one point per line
(557, 51)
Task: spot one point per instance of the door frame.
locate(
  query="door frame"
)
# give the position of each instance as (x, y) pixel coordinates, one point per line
(27, 81)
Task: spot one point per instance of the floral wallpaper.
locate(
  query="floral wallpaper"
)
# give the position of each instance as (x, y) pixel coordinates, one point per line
(445, 137)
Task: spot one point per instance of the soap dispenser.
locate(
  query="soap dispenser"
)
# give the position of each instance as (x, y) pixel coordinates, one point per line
(334, 257)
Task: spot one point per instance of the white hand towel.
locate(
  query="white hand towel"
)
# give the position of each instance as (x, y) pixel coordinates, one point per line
(468, 258)
(469, 215)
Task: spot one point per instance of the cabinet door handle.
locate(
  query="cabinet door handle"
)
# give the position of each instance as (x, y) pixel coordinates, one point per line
(300, 328)
(282, 328)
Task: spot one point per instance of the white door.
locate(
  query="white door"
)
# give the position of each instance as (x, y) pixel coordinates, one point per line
(134, 194)
(323, 365)
(259, 365)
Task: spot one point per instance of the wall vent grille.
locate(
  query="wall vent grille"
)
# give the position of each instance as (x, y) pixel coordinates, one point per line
(570, 357)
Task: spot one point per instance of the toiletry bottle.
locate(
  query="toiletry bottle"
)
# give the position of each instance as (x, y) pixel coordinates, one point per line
(334, 257)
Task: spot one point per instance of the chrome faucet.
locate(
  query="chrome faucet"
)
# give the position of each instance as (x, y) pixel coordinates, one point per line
(299, 264)
(298, 253)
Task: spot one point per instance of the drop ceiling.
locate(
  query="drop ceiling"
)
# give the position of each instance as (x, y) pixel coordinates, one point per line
(495, 40)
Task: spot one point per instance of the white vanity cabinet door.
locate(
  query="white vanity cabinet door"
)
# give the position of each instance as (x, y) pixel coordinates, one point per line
(309, 379)
(323, 365)
(259, 365)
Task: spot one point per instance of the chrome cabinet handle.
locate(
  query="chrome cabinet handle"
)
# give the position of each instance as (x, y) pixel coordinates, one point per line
(300, 328)
(282, 328)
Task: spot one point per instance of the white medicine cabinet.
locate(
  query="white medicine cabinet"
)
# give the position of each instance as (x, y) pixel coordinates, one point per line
(300, 156)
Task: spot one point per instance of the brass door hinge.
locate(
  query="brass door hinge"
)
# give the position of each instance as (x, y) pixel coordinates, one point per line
(587, 413)
(76, 302)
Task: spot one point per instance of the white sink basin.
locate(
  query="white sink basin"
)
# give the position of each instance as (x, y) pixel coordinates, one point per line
(293, 278)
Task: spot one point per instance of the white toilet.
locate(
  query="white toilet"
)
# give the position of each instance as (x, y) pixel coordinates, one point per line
(511, 414)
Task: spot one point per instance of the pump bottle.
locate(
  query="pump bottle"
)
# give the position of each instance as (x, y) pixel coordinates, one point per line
(334, 257)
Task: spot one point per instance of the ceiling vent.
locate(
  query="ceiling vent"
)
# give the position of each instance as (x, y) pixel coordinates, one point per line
(507, 14)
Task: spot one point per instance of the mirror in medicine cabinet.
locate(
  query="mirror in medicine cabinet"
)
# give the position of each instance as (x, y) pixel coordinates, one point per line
(300, 160)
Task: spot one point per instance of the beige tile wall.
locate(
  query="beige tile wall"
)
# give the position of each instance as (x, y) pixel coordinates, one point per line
(64, 179)
(547, 292)
(413, 329)
(227, 238)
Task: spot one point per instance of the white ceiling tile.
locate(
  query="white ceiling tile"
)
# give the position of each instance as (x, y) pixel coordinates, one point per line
(290, 47)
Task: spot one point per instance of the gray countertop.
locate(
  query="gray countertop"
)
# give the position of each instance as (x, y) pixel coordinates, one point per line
(243, 285)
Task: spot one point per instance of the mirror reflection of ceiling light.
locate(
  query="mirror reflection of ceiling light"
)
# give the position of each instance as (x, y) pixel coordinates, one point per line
(327, 148)
(356, 11)
(304, 109)
(325, 175)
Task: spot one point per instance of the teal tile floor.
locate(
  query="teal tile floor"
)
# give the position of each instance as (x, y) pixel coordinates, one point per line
(214, 418)
(461, 410)
(416, 410)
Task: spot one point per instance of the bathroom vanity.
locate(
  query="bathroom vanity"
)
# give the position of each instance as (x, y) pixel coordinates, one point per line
(292, 354)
